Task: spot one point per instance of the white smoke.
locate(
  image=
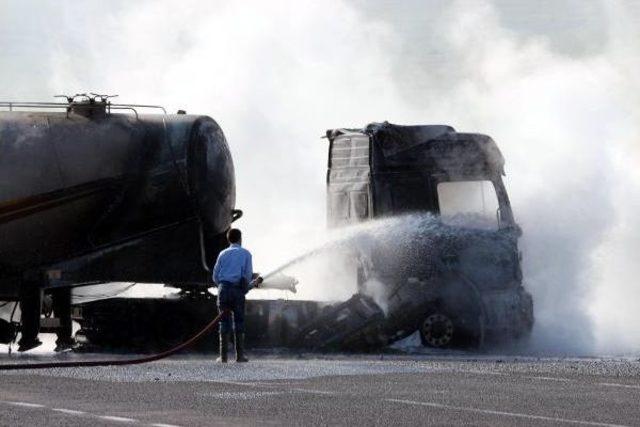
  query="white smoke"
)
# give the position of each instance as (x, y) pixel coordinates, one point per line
(562, 103)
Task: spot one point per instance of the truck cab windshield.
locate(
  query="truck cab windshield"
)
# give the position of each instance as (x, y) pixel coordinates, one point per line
(469, 204)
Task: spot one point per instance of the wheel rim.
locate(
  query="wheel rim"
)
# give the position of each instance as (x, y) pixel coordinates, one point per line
(437, 330)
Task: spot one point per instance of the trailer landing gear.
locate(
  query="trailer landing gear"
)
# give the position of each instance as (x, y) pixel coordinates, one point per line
(30, 306)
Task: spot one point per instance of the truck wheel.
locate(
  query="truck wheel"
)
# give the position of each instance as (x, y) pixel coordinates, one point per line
(437, 330)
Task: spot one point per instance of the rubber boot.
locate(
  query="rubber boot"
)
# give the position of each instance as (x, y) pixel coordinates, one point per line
(224, 347)
(240, 348)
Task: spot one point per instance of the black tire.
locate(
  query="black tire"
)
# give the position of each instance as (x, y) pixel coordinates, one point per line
(437, 330)
(440, 329)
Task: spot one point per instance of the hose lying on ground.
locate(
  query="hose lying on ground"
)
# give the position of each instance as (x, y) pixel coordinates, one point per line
(116, 362)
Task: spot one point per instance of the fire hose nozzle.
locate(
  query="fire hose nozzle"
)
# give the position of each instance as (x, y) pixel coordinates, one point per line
(281, 282)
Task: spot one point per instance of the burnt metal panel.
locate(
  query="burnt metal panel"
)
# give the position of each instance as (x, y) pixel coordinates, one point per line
(28, 161)
(349, 187)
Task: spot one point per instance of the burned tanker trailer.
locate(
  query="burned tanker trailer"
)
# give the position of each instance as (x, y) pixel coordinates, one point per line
(450, 266)
(94, 192)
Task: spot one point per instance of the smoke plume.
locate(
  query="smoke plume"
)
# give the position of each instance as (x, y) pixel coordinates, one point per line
(556, 85)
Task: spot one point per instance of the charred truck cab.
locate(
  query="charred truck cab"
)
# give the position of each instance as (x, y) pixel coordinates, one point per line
(453, 270)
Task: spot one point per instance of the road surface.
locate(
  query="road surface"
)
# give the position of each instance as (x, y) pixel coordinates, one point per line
(322, 390)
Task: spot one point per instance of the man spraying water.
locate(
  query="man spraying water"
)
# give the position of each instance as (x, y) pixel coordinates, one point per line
(233, 274)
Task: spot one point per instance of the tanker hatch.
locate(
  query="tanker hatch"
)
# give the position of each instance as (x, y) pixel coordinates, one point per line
(90, 105)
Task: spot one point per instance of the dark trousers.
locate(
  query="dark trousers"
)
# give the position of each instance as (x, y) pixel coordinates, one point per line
(231, 298)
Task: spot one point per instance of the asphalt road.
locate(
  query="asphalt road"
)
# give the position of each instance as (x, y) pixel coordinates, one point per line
(341, 390)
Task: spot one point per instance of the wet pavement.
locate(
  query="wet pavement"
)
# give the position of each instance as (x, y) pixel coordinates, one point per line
(328, 390)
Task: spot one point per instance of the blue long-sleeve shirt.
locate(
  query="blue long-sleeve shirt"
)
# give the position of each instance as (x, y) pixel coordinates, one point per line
(233, 264)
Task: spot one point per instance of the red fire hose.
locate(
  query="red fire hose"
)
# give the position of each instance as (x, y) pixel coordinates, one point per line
(135, 361)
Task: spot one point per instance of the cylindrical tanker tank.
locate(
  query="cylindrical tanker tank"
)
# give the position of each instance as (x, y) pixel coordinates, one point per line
(75, 185)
